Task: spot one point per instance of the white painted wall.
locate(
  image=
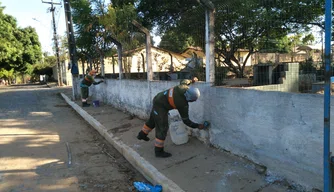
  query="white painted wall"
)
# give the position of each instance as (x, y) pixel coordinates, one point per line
(283, 131)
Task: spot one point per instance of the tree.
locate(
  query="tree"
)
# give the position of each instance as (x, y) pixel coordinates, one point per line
(270, 45)
(123, 34)
(176, 41)
(45, 68)
(118, 22)
(121, 3)
(308, 39)
(19, 47)
(93, 39)
(104, 43)
(239, 24)
(7, 74)
(31, 52)
(85, 24)
(10, 47)
(285, 44)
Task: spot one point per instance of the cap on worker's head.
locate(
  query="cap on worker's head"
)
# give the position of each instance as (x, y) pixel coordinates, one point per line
(192, 94)
(92, 72)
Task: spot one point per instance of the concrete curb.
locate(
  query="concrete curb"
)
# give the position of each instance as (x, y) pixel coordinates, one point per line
(143, 166)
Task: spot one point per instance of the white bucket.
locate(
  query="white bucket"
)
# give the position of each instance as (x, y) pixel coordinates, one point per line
(177, 129)
(178, 132)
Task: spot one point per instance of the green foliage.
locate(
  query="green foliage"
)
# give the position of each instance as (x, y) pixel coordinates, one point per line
(19, 47)
(31, 52)
(100, 27)
(165, 14)
(307, 66)
(44, 67)
(6, 74)
(286, 44)
(85, 24)
(10, 47)
(63, 48)
(120, 3)
(176, 41)
(239, 24)
(269, 45)
(49, 61)
(118, 21)
(308, 39)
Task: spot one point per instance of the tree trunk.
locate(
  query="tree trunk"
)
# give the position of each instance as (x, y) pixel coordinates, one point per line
(23, 79)
(83, 67)
(102, 64)
(90, 63)
(143, 61)
(113, 64)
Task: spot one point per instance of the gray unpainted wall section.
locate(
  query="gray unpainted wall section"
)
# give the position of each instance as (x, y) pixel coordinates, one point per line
(283, 131)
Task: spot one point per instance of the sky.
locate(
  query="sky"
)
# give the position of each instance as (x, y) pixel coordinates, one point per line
(34, 13)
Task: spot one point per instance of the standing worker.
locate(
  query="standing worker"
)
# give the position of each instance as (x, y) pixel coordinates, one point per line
(178, 98)
(87, 81)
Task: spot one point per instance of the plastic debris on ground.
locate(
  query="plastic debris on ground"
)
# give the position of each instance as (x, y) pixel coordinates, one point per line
(145, 187)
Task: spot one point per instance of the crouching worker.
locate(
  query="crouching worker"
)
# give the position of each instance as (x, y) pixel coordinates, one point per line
(178, 98)
(87, 81)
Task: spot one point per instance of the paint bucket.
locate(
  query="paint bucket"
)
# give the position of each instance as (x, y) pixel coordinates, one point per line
(96, 103)
(178, 132)
(177, 129)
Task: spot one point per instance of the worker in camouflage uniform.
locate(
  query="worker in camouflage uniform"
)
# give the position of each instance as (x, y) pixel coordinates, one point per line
(87, 81)
(175, 98)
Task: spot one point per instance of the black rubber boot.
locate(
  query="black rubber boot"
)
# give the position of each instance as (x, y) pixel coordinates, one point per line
(85, 104)
(142, 136)
(159, 152)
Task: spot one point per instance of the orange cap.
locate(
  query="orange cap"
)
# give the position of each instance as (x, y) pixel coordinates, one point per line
(92, 72)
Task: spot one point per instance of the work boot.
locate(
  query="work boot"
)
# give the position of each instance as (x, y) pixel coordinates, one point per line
(142, 136)
(159, 152)
(85, 104)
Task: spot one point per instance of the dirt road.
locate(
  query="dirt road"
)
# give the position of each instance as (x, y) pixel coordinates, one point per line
(45, 146)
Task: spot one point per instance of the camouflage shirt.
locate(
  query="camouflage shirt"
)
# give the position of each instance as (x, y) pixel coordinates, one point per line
(87, 81)
(174, 98)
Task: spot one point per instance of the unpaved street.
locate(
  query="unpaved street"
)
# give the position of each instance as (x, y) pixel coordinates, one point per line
(45, 146)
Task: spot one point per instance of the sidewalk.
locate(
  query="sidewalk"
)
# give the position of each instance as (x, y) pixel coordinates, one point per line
(194, 167)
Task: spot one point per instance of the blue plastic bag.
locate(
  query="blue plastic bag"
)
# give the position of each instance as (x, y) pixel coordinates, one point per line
(145, 187)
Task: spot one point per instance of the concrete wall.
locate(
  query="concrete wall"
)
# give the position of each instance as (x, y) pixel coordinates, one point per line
(283, 131)
(66, 74)
(276, 57)
(136, 96)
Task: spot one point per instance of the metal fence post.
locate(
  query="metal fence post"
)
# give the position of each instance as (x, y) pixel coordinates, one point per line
(327, 97)
(209, 42)
(148, 49)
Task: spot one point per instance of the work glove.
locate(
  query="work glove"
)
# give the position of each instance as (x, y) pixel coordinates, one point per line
(194, 79)
(96, 83)
(205, 125)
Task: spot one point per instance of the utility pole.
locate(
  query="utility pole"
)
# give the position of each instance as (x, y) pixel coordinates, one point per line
(52, 9)
(72, 49)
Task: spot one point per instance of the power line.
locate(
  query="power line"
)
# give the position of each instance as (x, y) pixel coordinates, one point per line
(52, 9)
